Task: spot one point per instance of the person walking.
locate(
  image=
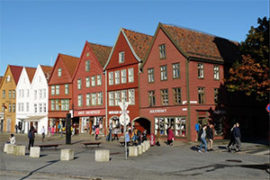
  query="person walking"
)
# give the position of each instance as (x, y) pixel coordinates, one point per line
(210, 136)
(232, 140)
(31, 137)
(170, 138)
(43, 133)
(197, 128)
(237, 137)
(96, 132)
(158, 137)
(202, 136)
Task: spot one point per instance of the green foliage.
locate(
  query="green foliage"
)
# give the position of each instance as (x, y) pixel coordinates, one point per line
(251, 74)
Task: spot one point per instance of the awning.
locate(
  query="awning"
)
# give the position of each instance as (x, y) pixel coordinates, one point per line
(34, 118)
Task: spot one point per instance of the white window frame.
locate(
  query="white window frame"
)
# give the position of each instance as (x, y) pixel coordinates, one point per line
(93, 99)
(176, 70)
(121, 57)
(151, 75)
(130, 75)
(87, 82)
(80, 100)
(163, 73)
(99, 80)
(131, 96)
(88, 99)
(200, 71)
(216, 72)
(111, 79)
(117, 77)
(123, 76)
(79, 84)
(93, 81)
(99, 98)
(57, 89)
(111, 98)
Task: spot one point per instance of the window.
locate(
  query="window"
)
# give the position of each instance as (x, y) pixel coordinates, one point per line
(201, 96)
(14, 94)
(57, 89)
(178, 124)
(99, 98)
(121, 57)
(87, 98)
(66, 89)
(44, 93)
(123, 76)
(40, 93)
(216, 72)
(3, 94)
(162, 51)
(79, 84)
(9, 94)
(151, 75)
(177, 95)
(87, 66)
(93, 81)
(176, 70)
(52, 90)
(131, 96)
(94, 99)
(87, 82)
(64, 104)
(40, 107)
(13, 107)
(28, 93)
(44, 107)
(35, 107)
(200, 71)
(57, 105)
(22, 107)
(117, 77)
(164, 97)
(163, 73)
(111, 81)
(27, 107)
(9, 108)
(216, 95)
(52, 105)
(99, 80)
(35, 94)
(59, 72)
(22, 93)
(152, 98)
(111, 98)
(117, 98)
(130, 75)
(124, 95)
(80, 100)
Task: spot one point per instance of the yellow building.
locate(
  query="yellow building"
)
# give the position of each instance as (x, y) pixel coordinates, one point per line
(8, 98)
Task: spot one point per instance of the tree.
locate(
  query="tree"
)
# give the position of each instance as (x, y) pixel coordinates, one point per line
(250, 74)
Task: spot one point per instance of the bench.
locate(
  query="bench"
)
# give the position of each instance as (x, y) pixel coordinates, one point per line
(48, 146)
(91, 143)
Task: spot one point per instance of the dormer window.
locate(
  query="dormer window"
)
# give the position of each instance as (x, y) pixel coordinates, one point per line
(8, 78)
(87, 66)
(59, 72)
(121, 57)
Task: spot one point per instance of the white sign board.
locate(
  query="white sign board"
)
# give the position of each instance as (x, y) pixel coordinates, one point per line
(124, 119)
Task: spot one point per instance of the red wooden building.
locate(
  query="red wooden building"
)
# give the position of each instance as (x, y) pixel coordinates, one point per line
(180, 79)
(60, 90)
(89, 87)
(122, 72)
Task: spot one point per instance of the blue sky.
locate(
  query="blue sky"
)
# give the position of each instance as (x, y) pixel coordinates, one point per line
(33, 32)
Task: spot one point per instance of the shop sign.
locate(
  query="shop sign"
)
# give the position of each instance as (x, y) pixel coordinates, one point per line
(154, 111)
(116, 112)
(93, 112)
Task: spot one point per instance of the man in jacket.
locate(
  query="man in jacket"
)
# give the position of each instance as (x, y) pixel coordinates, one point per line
(237, 137)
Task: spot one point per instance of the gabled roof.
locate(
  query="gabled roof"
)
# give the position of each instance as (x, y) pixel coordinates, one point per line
(101, 52)
(194, 44)
(30, 72)
(1, 78)
(70, 63)
(140, 42)
(16, 72)
(47, 70)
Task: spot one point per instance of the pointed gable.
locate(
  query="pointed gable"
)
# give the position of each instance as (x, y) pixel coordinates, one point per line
(101, 52)
(47, 70)
(16, 72)
(196, 44)
(30, 72)
(140, 42)
(70, 62)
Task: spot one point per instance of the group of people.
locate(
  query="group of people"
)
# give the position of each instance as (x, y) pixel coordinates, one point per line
(205, 134)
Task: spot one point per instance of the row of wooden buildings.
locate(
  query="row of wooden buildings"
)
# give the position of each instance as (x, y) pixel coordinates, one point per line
(173, 78)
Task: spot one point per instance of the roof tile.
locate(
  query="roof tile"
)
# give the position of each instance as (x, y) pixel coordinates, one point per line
(16, 72)
(70, 63)
(101, 52)
(30, 72)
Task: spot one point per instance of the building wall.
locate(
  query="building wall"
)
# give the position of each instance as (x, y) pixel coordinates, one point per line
(11, 85)
(114, 65)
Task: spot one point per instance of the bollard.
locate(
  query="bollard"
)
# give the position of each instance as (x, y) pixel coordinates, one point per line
(10, 148)
(133, 151)
(35, 152)
(67, 155)
(19, 151)
(102, 155)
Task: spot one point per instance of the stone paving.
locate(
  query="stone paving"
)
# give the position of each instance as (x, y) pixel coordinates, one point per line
(180, 161)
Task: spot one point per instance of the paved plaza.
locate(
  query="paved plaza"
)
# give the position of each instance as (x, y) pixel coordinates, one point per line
(180, 161)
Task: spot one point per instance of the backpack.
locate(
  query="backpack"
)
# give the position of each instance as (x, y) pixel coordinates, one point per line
(30, 135)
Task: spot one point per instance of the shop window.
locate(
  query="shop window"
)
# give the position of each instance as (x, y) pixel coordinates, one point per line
(178, 125)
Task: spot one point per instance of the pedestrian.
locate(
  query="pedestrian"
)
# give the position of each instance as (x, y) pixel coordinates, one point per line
(43, 133)
(210, 136)
(170, 137)
(202, 136)
(12, 139)
(115, 134)
(144, 135)
(197, 128)
(16, 127)
(127, 137)
(232, 140)
(96, 132)
(237, 137)
(31, 137)
(158, 137)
